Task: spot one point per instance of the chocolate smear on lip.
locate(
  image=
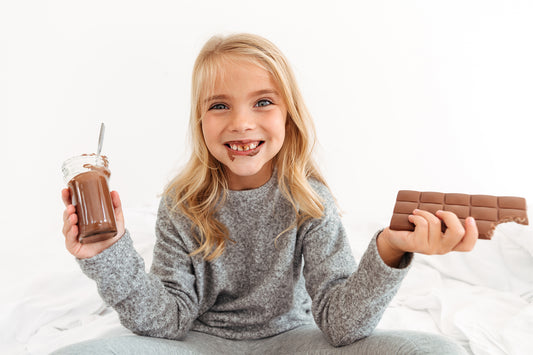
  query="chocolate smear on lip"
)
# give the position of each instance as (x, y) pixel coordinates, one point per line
(254, 152)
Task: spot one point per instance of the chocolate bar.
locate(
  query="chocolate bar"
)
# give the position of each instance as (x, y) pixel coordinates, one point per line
(488, 211)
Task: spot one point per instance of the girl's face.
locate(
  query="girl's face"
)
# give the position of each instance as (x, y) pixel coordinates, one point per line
(244, 127)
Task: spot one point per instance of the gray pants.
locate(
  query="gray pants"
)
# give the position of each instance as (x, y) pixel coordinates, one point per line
(302, 340)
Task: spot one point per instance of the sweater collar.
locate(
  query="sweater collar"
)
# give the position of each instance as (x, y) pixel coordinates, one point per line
(257, 192)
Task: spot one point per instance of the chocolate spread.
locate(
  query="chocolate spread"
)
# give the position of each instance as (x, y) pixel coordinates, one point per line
(91, 197)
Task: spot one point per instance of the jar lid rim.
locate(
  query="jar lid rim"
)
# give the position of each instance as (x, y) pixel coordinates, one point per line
(99, 160)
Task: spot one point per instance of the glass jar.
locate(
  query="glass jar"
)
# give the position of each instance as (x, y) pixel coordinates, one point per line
(87, 177)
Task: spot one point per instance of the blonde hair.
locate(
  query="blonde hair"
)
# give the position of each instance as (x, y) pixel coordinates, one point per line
(200, 189)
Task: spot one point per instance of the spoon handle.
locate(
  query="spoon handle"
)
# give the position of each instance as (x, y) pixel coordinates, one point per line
(100, 138)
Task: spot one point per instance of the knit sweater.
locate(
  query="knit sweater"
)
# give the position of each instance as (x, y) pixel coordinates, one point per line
(259, 286)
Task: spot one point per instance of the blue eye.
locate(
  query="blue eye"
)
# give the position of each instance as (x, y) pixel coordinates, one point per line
(263, 103)
(218, 107)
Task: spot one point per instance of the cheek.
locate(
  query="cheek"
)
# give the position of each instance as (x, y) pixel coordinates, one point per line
(208, 130)
(282, 130)
(283, 125)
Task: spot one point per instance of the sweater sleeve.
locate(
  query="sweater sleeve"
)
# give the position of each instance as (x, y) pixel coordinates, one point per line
(162, 303)
(348, 300)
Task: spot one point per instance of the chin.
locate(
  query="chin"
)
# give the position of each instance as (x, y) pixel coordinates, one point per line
(245, 172)
(247, 169)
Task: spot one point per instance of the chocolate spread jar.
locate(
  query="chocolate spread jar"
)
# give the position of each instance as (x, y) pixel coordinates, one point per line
(87, 177)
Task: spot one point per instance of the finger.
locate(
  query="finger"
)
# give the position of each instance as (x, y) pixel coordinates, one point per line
(68, 211)
(455, 230)
(72, 233)
(65, 196)
(70, 222)
(470, 238)
(71, 237)
(419, 241)
(434, 234)
(66, 225)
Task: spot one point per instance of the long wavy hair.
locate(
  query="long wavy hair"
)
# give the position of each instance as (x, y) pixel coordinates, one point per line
(199, 190)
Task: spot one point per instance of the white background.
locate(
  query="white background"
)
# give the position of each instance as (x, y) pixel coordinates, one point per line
(427, 95)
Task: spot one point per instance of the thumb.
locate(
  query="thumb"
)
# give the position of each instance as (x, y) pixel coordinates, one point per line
(119, 215)
(115, 198)
(470, 238)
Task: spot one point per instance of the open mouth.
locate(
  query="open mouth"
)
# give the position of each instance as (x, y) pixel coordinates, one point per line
(243, 146)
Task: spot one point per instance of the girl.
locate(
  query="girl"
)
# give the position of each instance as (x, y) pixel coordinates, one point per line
(251, 255)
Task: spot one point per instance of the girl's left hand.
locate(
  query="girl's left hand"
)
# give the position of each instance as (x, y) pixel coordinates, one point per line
(427, 238)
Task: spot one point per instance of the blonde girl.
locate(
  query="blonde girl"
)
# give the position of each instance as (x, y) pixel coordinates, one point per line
(251, 255)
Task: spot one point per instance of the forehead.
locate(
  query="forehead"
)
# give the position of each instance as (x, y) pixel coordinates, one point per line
(235, 73)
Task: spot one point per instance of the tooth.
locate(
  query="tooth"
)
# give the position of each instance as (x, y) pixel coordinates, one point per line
(240, 148)
(253, 146)
(234, 146)
(246, 147)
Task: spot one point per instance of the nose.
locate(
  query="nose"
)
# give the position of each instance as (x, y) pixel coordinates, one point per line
(241, 121)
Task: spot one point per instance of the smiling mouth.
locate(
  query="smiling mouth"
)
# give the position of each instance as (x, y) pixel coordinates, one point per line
(244, 146)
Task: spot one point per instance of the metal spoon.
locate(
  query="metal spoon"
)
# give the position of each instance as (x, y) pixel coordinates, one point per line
(100, 139)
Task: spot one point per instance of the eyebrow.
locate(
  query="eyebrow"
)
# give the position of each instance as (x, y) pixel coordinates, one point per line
(255, 93)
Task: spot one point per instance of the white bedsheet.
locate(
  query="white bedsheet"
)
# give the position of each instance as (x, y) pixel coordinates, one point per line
(483, 299)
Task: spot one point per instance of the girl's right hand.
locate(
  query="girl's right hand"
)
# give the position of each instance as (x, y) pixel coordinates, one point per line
(70, 228)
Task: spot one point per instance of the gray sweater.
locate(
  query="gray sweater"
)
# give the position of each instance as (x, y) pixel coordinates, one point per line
(257, 288)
